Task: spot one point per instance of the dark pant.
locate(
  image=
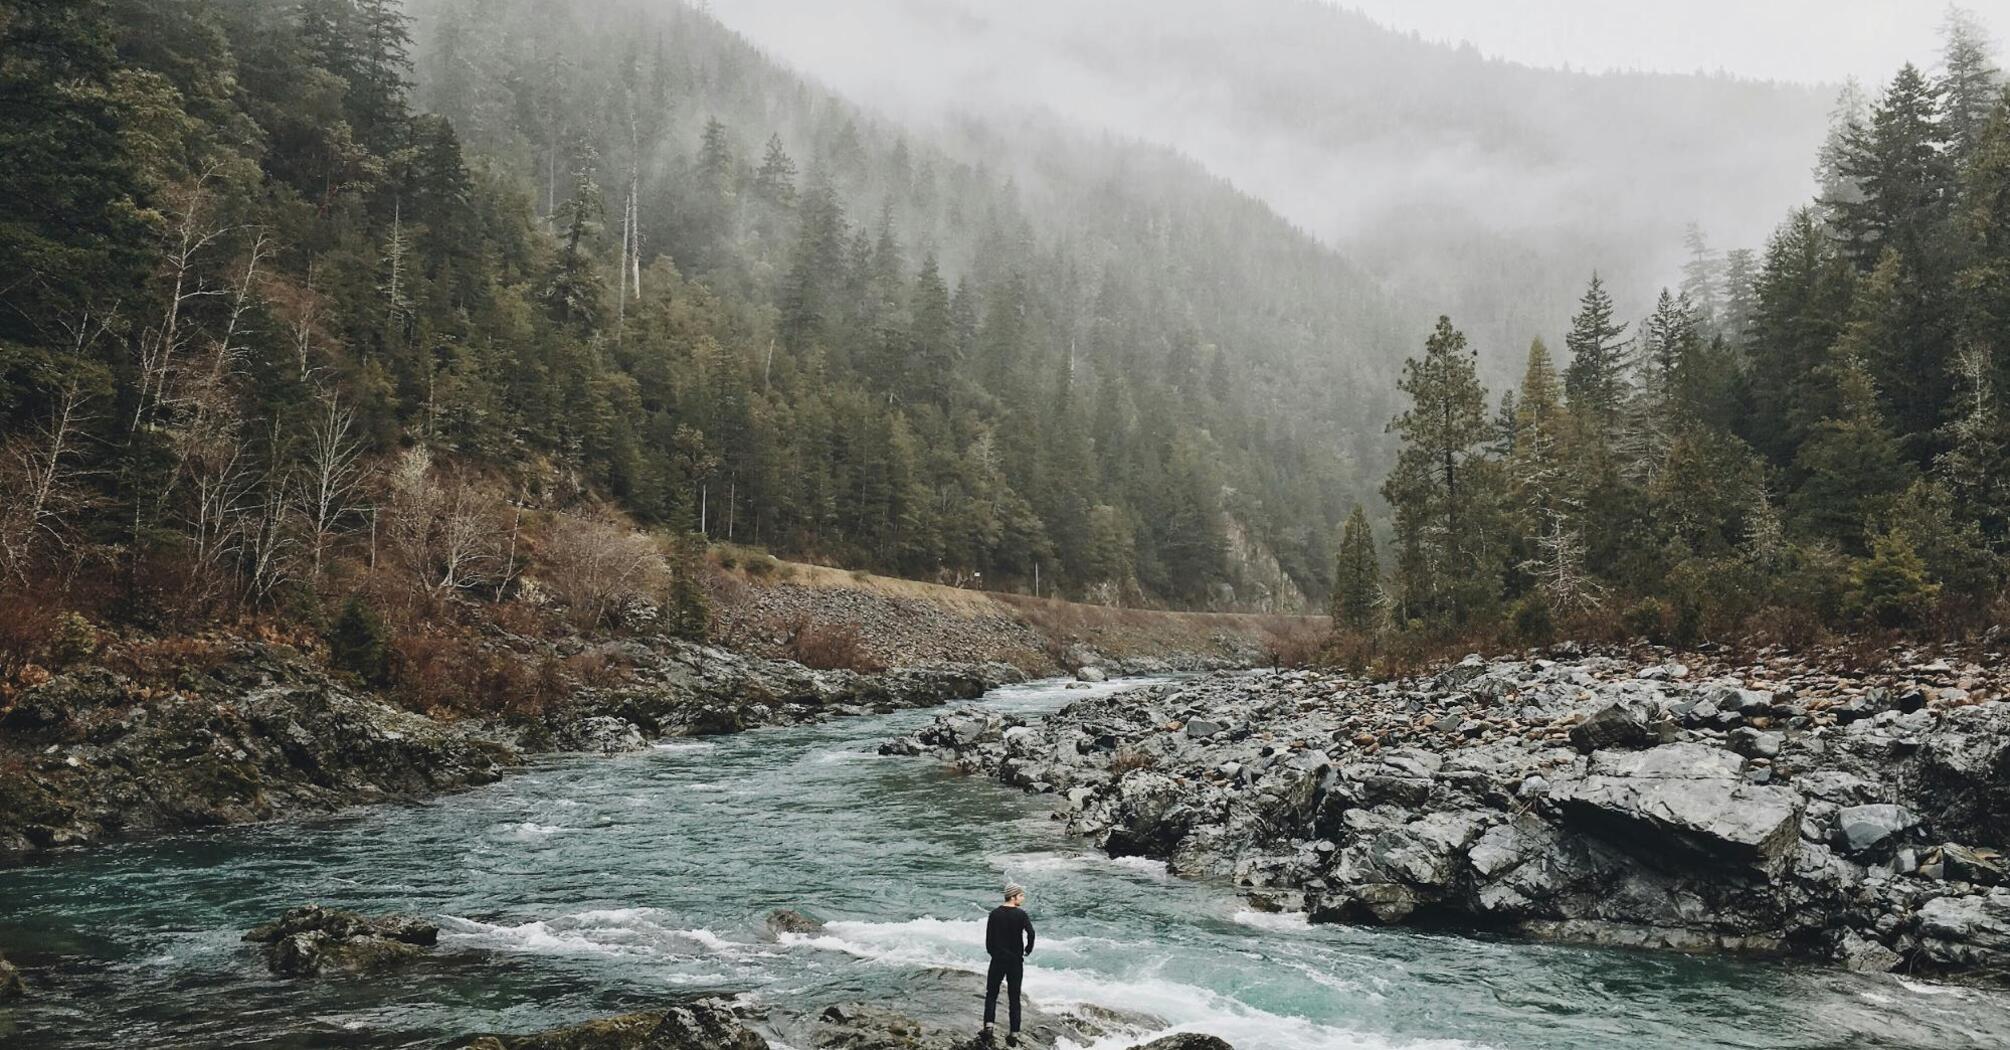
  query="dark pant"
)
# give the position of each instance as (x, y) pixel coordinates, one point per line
(1011, 971)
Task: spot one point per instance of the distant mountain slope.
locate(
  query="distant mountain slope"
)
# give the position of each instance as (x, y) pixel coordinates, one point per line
(1480, 187)
(1181, 392)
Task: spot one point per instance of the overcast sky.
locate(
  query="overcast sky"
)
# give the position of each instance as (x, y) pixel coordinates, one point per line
(1813, 41)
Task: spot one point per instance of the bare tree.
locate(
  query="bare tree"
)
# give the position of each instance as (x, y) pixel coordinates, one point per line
(1560, 566)
(331, 481)
(598, 566)
(443, 530)
(192, 231)
(268, 542)
(41, 468)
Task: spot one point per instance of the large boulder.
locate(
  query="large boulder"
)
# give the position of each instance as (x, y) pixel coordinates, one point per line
(1683, 802)
(312, 940)
(789, 920)
(862, 1026)
(10, 981)
(1613, 726)
(706, 1024)
(1860, 828)
(1961, 933)
(1186, 1041)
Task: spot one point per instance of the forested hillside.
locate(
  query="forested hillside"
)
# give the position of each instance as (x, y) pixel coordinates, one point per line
(263, 295)
(1807, 438)
(1484, 188)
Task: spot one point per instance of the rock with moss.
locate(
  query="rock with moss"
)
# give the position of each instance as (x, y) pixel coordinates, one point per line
(11, 986)
(312, 940)
(704, 1024)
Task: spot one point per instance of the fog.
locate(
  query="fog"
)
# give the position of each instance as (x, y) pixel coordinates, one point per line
(1485, 186)
(1809, 41)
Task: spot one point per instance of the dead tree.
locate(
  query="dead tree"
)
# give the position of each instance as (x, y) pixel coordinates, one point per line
(331, 481)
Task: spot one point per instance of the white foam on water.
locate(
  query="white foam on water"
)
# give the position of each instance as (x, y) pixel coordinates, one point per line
(681, 746)
(1190, 1008)
(1921, 988)
(954, 944)
(1040, 863)
(611, 932)
(1273, 921)
(532, 831)
(925, 942)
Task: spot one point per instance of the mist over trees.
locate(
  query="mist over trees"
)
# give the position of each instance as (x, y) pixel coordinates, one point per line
(307, 293)
(1474, 186)
(1808, 437)
(274, 265)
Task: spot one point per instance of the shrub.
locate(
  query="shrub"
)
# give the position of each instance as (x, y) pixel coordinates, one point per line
(832, 647)
(1649, 618)
(1891, 588)
(26, 629)
(687, 613)
(1532, 621)
(1295, 645)
(600, 567)
(360, 642)
(76, 641)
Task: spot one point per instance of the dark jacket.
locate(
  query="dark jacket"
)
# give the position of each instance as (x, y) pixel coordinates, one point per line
(1004, 930)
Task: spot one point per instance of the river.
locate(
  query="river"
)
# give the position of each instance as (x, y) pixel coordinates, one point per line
(593, 885)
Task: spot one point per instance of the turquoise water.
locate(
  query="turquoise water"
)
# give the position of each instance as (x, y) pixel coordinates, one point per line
(591, 885)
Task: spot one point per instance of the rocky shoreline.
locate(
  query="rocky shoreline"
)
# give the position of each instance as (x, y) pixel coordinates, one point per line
(313, 942)
(1764, 806)
(262, 732)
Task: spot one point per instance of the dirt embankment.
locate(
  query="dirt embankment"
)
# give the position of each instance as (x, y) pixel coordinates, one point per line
(830, 617)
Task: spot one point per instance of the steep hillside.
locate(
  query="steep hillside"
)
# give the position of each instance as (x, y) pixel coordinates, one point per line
(1136, 357)
(1481, 187)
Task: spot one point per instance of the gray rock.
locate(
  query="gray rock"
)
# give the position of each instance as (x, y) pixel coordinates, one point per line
(1186, 1041)
(1683, 800)
(1614, 726)
(1860, 828)
(312, 940)
(704, 1024)
(1091, 673)
(1198, 728)
(1965, 932)
(789, 920)
(11, 986)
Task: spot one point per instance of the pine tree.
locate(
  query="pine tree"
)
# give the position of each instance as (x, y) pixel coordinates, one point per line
(1741, 297)
(1702, 276)
(71, 197)
(1970, 84)
(775, 181)
(1898, 163)
(1357, 576)
(1804, 294)
(1847, 120)
(932, 357)
(574, 292)
(1441, 489)
(1537, 469)
(1671, 346)
(1851, 464)
(1595, 379)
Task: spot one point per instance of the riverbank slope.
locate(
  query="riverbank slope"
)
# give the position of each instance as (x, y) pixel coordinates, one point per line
(1773, 805)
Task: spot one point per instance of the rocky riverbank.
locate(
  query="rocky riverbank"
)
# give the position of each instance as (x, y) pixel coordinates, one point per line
(254, 731)
(1765, 806)
(316, 942)
(896, 623)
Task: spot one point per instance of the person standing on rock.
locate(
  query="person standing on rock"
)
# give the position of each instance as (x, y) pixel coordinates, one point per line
(1008, 936)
